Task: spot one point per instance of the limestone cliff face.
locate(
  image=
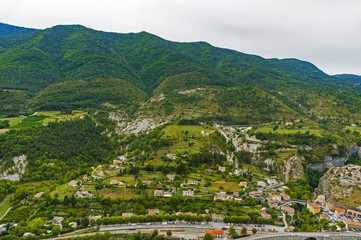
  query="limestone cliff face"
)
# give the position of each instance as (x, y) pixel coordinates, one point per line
(335, 161)
(341, 183)
(14, 173)
(293, 168)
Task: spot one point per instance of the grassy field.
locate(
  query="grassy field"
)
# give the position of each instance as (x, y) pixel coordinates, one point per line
(63, 190)
(223, 186)
(40, 119)
(188, 138)
(179, 130)
(115, 193)
(290, 131)
(5, 205)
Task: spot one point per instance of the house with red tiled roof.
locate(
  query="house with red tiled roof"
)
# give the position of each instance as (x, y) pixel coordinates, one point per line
(338, 211)
(216, 234)
(265, 215)
(313, 208)
(153, 211)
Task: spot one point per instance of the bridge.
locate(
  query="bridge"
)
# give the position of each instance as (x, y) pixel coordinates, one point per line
(305, 236)
(274, 186)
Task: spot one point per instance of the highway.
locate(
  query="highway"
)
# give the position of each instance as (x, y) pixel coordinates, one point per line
(305, 235)
(182, 230)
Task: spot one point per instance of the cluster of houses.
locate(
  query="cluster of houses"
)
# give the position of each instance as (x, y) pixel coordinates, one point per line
(162, 193)
(275, 199)
(350, 217)
(225, 196)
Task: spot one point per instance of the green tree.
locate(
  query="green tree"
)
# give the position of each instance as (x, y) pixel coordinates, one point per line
(85, 222)
(232, 232)
(208, 236)
(92, 222)
(342, 225)
(56, 230)
(244, 231)
(334, 227)
(254, 230)
(155, 232)
(208, 218)
(169, 233)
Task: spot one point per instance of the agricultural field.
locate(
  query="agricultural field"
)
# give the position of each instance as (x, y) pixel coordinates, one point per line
(40, 119)
(5, 205)
(63, 190)
(122, 193)
(189, 130)
(281, 130)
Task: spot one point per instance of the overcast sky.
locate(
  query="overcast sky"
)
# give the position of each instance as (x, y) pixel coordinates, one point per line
(324, 32)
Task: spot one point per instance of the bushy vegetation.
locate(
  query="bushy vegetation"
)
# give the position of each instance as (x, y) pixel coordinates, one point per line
(61, 149)
(85, 94)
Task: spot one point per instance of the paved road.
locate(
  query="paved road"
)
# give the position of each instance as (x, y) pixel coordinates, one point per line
(294, 235)
(182, 230)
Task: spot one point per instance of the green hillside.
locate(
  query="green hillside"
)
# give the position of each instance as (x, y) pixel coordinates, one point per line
(88, 93)
(56, 66)
(12, 102)
(7, 30)
(201, 78)
(37, 60)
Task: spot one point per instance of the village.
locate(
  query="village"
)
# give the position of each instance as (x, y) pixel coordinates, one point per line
(270, 193)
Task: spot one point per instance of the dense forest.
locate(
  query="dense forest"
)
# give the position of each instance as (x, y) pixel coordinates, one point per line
(62, 149)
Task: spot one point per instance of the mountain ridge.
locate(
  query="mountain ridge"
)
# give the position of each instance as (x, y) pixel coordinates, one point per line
(75, 56)
(7, 30)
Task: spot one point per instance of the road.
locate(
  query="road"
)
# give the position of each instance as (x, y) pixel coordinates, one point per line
(181, 230)
(304, 235)
(284, 219)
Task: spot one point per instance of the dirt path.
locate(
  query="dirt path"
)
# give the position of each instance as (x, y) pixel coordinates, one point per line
(6, 202)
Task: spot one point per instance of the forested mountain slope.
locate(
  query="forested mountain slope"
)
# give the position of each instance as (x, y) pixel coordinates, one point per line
(7, 30)
(72, 67)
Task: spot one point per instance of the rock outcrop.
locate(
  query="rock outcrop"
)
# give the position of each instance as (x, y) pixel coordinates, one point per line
(335, 161)
(14, 173)
(340, 183)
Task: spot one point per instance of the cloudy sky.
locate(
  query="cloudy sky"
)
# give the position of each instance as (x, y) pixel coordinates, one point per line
(324, 32)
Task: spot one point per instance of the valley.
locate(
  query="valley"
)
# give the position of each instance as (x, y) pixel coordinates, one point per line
(102, 131)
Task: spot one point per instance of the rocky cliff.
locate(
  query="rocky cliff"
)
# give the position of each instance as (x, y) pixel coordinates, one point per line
(335, 161)
(341, 185)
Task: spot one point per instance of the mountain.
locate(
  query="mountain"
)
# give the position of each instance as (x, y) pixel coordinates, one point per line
(7, 30)
(71, 67)
(34, 61)
(347, 76)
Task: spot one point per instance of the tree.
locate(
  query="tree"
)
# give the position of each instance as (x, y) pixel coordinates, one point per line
(200, 218)
(244, 231)
(232, 232)
(99, 221)
(92, 222)
(334, 227)
(56, 230)
(275, 127)
(341, 224)
(85, 222)
(169, 233)
(254, 230)
(208, 236)
(155, 232)
(208, 218)
(66, 201)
